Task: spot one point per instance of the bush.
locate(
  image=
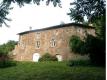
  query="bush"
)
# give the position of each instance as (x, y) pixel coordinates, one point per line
(5, 61)
(92, 45)
(76, 45)
(48, 57)
(96, 50)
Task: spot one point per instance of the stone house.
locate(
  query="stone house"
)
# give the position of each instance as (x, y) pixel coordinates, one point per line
(53, 40)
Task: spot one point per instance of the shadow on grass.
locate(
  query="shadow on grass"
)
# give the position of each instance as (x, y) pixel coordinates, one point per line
(7, 63)
(82, 63)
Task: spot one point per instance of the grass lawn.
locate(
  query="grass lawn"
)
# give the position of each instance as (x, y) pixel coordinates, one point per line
(51, 71)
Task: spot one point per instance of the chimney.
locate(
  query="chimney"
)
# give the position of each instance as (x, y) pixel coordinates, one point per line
(30, 28)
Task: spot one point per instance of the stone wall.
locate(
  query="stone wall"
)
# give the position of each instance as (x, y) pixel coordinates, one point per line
(54, 41)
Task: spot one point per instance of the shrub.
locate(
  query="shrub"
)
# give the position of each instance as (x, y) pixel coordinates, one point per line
(48, 57)
(76, 45)
(5, 61)
(96, 50)
(92, 45)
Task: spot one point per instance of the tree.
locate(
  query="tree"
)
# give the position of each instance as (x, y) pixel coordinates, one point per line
(22, 2)
(91, 46)
(94, 46)
(94, 11)
(76, 45)
(6, 48)
(4, 11)
(5, 7)
(91, 9)
(5, 60)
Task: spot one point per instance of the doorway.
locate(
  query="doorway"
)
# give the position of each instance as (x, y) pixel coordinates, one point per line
(36, 57)
(59, 57)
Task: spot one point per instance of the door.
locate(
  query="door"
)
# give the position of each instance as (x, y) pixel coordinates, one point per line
(59, 57)
(36, 57)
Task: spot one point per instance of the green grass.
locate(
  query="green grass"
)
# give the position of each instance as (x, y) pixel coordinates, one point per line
(51, 71)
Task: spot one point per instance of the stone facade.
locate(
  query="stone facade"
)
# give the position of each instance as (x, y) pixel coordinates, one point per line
(54, 40)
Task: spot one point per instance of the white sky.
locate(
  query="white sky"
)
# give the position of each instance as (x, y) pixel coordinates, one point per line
(34, 16)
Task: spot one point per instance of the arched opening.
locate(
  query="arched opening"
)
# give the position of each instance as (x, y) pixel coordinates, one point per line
(59, 57)
(36, 57)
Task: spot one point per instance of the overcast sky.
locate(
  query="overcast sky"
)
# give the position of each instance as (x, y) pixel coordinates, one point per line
(35, 16)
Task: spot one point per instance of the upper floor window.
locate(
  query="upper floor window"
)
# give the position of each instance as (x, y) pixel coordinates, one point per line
(53, 42)
(22, 45)
(67, 30)
(38, 35)
(21, 42)
(78, 30)
(37, 44)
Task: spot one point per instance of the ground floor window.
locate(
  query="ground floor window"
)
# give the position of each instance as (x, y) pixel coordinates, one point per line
(37, 44)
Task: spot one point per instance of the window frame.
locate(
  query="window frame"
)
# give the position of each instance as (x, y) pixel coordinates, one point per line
(38, 35)
(53, 42)
(37, 44)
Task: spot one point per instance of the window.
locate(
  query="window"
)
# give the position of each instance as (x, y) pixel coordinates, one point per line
(53, 42)
(78, 30)
(38, 35)
(37, 44)
(67, 30)
(21, 42)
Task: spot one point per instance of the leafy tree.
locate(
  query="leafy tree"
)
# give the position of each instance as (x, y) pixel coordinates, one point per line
(95, 48)
(91, 9)
(6, 48)
(22, 2)
(3, 51)
(76, 44)
(4, 11)
(94, 12)
(92, 46)
(10, 45)
(5, 60)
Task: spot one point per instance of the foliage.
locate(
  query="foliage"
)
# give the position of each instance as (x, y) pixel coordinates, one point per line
(91, 9)
(22, 2)
(95, 12)
(7, 63)
(96, 50)
(5, 60)
(3, 50)
(48, 57)
(76, 44)
(92, 46)
(4, 11)
(6, 48)
(100, 25)
(51, 71)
